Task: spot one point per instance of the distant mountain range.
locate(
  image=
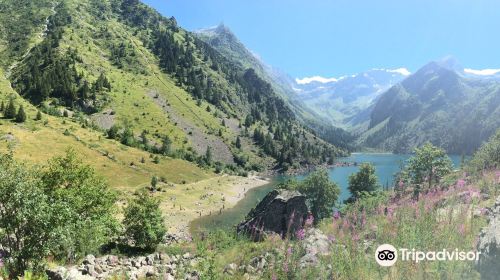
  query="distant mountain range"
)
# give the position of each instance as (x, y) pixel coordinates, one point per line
(452, 107)
(344, 100)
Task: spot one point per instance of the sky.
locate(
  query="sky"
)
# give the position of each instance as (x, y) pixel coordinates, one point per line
(332, 38)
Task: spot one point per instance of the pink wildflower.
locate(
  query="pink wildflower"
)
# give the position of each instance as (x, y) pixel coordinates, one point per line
(289, 251)
(401, 184)
(461, 183)
(300, 234)
(310, 220)
(331, 238)
(336, 215)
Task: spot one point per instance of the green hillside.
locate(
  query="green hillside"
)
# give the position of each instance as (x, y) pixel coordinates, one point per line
(120, 65)
(436, 104)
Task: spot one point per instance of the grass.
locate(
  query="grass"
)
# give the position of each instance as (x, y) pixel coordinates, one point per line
(450, 216)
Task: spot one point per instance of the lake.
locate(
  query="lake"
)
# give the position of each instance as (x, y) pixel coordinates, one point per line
(386, 166)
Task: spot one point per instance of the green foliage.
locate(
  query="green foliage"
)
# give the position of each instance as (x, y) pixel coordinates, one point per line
(364, 181)
(84, 205)
(38, 116)
(143, 221)
(487, 157)
(321, 193)
(21, 115)
(26, 215)
(10, 111)
(62, 209)
(428, 165)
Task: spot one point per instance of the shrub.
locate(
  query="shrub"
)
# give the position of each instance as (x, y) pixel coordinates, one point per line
(364, 181)
(144, 222)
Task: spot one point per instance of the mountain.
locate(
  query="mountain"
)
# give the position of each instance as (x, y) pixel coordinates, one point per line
(226, 42)
(440, 103)
(346, 101)
(120, 69)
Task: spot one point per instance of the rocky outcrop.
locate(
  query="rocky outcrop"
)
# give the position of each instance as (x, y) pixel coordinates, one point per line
(153, 266)
(281, 211)
(488, 264)
(315, 244)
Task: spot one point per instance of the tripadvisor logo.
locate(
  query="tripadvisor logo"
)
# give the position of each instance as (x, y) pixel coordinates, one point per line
(387, 255)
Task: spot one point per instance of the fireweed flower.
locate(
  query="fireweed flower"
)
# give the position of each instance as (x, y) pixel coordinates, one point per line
(336, 215)
(461, 183)
(300, 234)
(289, 251)
(310, 220)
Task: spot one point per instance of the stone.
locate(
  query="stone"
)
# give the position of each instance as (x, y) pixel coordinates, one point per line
(167, 276)
(280, 211)
(89, 259)
(230, 268)
(315, 244)
(112, 260)
(489, 246)
(186, 256)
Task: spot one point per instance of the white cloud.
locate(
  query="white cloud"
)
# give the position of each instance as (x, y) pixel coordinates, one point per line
(319, 79)
(483, 72)
(403, 71)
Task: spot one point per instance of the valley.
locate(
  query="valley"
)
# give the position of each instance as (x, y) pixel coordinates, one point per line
(132, 147)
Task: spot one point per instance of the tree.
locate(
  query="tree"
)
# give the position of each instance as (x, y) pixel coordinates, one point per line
(238, 142)
(364, 181)
(113, 132)
(208, 155)
(62, 209)
(428, 165)
(143, 221)
(10, 111)
(21, 115)
(166, 145)
(154, 182)
(25, 217)
(2, 106)
(321, 193)
(83, 205)
(38, 116)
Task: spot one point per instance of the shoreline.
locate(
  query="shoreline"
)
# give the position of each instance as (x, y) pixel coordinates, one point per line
(184, 203)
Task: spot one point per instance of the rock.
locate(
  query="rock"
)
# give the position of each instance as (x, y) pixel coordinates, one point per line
(230, 268)
(186, 256)
(281, 211)
(315, 244)
(112, 260)
(167, 276)
(56, 274)
(89, 259)
(150, 259)
(489, 246)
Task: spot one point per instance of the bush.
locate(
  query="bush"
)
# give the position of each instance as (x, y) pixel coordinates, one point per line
(321, 193)
(144, 222)
(364, 181)
(487, 157)
(70, 212)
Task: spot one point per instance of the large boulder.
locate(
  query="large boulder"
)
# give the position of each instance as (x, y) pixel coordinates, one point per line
(280, 211)
(488, 264)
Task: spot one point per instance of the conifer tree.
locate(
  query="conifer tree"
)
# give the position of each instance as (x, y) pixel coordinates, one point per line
(21, 115)
(38, 116)
(2, 106)
(10, 111)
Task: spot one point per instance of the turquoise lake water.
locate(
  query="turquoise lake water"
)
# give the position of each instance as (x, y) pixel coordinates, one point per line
(386, 166)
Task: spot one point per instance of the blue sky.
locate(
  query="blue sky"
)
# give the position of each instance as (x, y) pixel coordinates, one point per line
(332, 38)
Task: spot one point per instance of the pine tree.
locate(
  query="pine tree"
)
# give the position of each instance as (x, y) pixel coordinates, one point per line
(238, 142)
(2, 106)
(38, 116)
(10, 111)
(21, 115)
